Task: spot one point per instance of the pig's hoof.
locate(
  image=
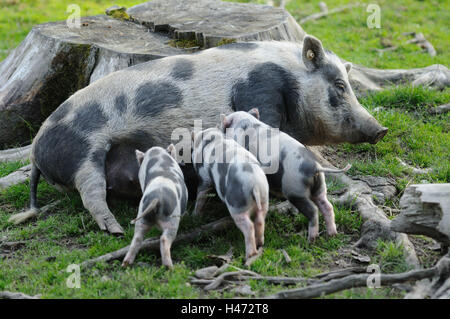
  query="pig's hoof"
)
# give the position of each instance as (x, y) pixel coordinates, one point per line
(125, 264)
(332, 233)
(312, 239)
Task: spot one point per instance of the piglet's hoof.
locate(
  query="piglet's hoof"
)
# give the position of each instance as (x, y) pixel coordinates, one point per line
(254, 257)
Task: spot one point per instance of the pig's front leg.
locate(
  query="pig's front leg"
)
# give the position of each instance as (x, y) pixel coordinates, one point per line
(141, 228)
(202, 193)
(328, 213)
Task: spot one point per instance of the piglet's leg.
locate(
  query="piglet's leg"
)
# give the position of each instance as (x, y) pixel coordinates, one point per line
(309, 209)
(328, 213)
(168, 236)
(244, 223)
(140, 229)
(200, 202)
(260, 218)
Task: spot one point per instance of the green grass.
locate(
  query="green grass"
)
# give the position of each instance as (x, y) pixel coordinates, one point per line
(68, 234)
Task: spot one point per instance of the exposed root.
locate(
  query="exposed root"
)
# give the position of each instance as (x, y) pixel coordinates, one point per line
(17, 177)
(15, 154)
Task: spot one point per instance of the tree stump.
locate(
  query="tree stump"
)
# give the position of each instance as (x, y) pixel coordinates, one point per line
(54, 61)
(425, 210)
(208, 22)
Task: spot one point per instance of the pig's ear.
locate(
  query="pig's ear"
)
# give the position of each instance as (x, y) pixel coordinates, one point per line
(348, 67)
(139, 157)
(313, 54)
(255, 112)
(172, 151)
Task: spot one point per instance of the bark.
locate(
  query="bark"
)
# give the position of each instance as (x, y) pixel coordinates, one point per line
(425, 210)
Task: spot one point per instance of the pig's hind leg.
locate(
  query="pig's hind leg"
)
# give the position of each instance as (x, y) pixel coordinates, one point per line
(309, 209)
(90, 182)
(260, 218)
(328, 213)
(244, 223)
(140, 229)
(169, 234)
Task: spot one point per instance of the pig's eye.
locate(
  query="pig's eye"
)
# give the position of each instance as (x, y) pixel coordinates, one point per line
(340, 85)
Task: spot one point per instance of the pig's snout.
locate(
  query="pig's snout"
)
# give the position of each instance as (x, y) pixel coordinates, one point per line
(379, 135)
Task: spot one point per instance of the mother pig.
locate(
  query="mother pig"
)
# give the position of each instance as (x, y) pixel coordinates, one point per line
(88, 143)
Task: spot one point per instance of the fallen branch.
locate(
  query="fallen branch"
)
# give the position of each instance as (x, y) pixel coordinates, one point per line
(17, 177)
(215, 283)
(16, 295)
(353, 281)
(335, 274)
(326, 12)
(15, 154)
(153, 243)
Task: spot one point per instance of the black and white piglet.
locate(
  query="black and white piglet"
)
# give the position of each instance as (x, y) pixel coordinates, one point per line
(238, 179)
(163, 202)
(298, 176)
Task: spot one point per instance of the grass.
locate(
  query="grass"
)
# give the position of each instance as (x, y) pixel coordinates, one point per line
(69, 235)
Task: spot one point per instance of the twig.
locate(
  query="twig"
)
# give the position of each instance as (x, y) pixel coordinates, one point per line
(153, 243)
(322, 14)
(420, 40)
(414, 170)
(286, 256)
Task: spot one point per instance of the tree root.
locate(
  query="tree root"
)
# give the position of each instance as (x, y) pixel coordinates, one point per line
(376, 224)
(15, 154)
(16, 295)
(17, 177)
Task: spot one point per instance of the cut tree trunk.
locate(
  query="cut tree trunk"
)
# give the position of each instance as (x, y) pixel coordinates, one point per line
(54, 61)
(425, 210)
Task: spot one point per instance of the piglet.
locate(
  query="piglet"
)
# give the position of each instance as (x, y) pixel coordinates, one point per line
(238, 179)
(295, 173)
(163, 202)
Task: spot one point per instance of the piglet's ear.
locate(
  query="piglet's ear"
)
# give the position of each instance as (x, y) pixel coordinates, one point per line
(139, 157)
(255, 112)
(348, 67)
(172, 151)
(313, 54)
(226, 123)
